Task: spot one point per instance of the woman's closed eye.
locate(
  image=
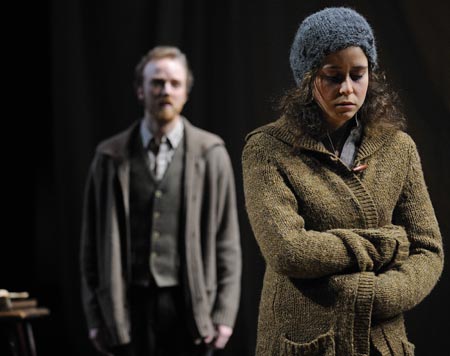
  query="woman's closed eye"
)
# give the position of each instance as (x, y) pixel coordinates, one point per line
(356, 77)
(338, 79)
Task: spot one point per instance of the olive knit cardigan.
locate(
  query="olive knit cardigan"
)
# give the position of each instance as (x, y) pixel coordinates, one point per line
(346, 252)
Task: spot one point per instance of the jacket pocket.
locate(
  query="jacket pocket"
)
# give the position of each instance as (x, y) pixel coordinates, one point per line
(322, 346)
(408, 348)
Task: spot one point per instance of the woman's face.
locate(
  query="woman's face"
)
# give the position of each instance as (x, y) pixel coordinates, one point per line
(340, 86)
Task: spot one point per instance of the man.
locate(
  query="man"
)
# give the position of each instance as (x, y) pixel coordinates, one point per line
(160, 250)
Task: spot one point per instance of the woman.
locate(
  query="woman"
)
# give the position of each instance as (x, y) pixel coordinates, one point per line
(337, 201)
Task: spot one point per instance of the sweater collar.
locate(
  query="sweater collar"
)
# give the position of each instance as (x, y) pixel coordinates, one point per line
(284, 130)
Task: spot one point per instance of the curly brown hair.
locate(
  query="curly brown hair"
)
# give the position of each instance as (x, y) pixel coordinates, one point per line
(381, 108)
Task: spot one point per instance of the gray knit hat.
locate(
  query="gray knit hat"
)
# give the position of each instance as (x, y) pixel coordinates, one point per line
(328, 31)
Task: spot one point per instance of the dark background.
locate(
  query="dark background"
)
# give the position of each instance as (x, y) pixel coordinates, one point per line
(70, 68)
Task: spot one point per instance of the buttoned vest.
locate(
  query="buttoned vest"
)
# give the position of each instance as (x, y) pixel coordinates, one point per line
(155, 208)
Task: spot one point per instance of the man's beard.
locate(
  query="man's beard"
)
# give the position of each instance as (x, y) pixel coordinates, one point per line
(166, 114)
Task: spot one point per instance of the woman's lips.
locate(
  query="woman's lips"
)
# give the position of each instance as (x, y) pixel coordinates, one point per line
(346, 106)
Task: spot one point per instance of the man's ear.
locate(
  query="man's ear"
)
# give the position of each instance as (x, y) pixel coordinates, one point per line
(140, 93)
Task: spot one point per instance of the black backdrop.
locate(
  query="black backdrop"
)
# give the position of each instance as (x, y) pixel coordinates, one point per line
(72, 72)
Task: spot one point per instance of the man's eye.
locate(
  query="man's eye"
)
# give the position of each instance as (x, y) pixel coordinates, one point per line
(157, 83)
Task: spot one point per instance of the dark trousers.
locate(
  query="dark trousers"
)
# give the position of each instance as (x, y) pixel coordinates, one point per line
(158, 325)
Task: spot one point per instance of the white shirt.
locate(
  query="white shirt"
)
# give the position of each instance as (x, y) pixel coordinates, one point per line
(167, 147)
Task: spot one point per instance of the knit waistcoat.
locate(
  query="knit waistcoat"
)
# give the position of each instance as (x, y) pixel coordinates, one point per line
(155, 208)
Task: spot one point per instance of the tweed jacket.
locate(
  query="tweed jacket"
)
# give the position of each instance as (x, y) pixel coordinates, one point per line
(210, 253)
(347, 252)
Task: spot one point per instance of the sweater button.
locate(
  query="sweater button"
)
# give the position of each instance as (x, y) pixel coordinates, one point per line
(158, 194)
(360, 168)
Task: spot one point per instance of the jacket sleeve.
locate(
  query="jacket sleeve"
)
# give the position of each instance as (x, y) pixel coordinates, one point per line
(88, 252)
(403, 287)
(292, 250)
(228, 250)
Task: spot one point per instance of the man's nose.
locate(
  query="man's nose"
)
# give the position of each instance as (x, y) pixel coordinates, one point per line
(346, 86)
(165, 88)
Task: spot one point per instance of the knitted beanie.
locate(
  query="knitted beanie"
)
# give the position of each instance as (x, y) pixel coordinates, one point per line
(328, 31)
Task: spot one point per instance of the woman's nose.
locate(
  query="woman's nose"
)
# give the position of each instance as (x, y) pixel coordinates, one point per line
(346, 87)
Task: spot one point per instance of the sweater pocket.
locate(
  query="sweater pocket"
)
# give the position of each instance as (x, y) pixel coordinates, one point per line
(322, 346)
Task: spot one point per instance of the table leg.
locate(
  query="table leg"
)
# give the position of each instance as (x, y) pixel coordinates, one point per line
(30, 338)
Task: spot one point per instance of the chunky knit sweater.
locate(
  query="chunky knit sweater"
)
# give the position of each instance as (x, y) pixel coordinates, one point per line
(347, 252)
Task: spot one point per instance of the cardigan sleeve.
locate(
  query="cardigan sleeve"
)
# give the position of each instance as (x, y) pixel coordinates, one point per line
(292, 250)
(228, 250)
(403, 287)
(88, 251)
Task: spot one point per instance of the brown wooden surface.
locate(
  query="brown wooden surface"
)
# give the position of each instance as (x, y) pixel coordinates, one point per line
(23, 303)
(23, 314)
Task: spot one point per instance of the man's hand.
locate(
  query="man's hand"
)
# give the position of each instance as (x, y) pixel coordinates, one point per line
(221, 338)
(98, 340)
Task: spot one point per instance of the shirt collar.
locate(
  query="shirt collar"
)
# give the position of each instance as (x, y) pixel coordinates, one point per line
(174, 136)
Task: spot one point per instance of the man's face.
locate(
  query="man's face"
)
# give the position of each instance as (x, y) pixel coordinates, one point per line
(164, 90)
